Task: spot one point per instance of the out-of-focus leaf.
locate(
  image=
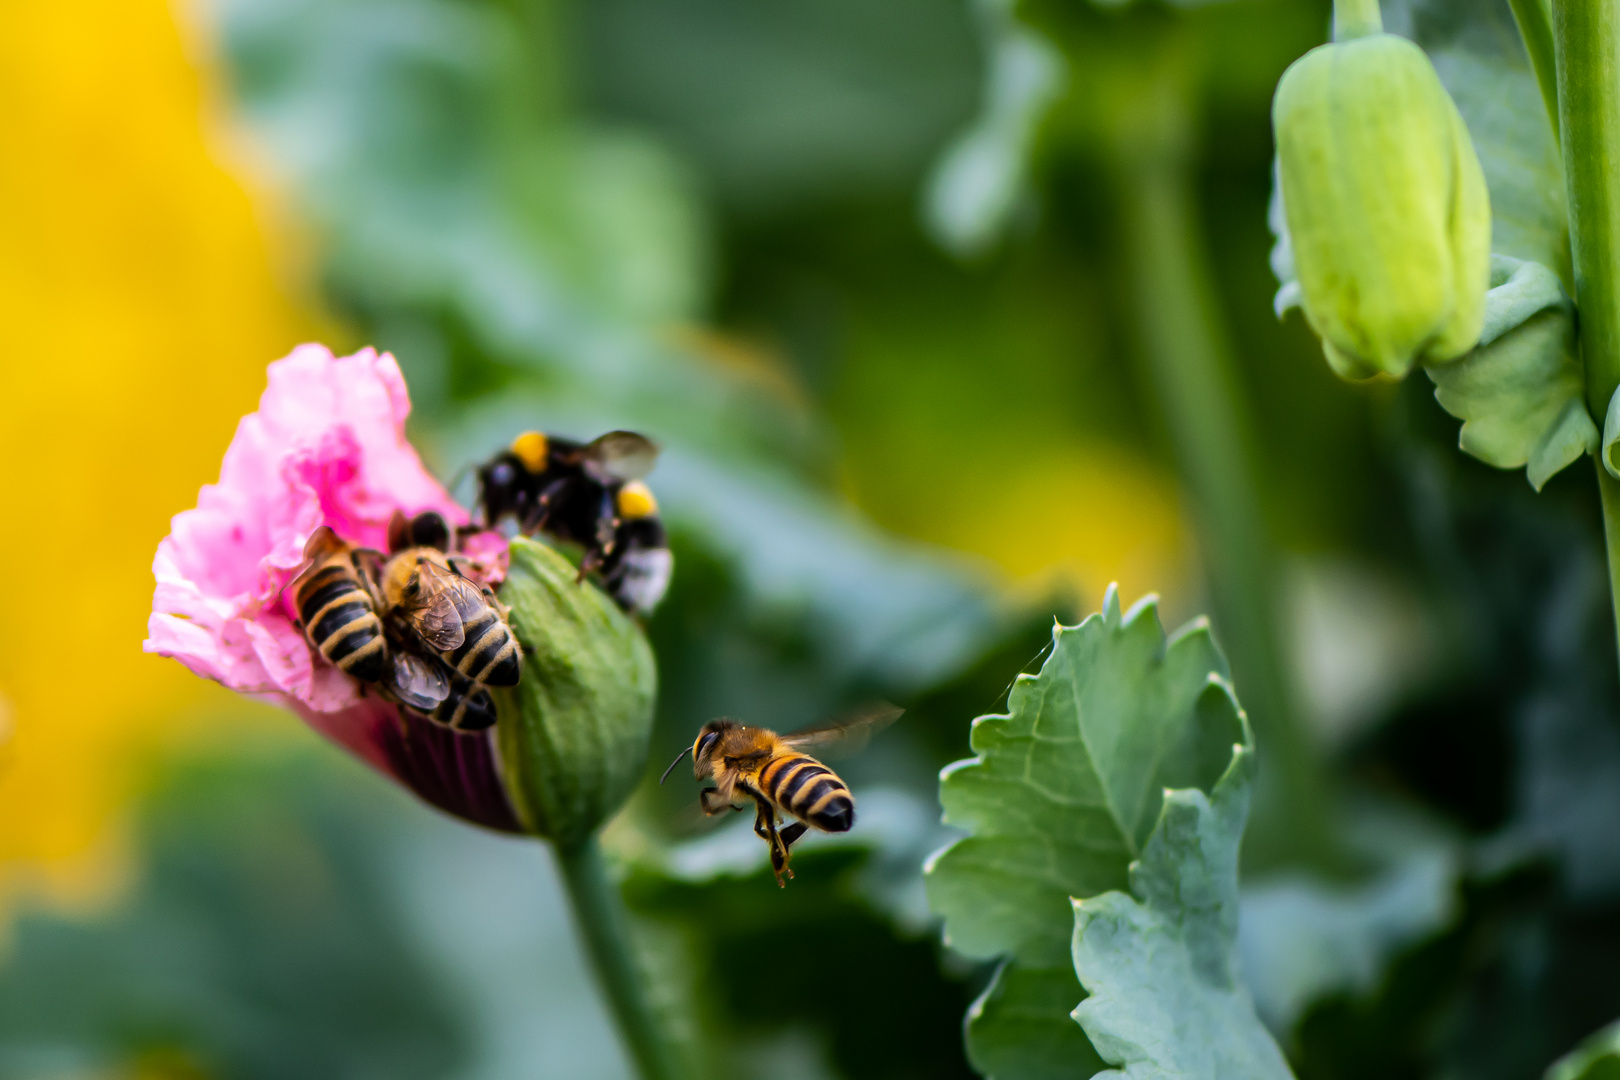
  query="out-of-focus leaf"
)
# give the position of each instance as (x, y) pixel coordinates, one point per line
(1020, 1026)
(1521, 393)
(976, 186)
(1301, 938)
(1160, 966)
(1597, 1058)
(869, 993)
(784, 103)
(262, 942)
(1064, 792)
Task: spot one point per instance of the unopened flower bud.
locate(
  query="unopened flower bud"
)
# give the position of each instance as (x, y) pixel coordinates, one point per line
(1386, 206)
(573, 733)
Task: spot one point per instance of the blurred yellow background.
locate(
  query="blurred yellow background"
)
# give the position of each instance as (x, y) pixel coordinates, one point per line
(141, 302)
(139, 308)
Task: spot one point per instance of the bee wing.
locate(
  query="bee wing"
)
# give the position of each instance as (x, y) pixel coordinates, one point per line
(370, 564)
(448, 600)
(848, 734)
(419, 683)
(620, 455)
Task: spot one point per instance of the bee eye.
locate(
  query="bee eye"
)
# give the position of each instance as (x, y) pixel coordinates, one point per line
(502, 475)
(706, 743)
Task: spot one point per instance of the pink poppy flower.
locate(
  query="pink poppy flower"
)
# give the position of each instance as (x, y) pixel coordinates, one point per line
(326, 447)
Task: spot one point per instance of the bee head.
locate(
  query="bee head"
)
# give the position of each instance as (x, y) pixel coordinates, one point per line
(702, 750)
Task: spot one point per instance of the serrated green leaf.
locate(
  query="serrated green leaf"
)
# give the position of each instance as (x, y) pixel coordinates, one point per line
(1060, 800)
(1597, 1058)
(1020, 1026)
(1166, 999)
(1521, 392)
(1066, 786)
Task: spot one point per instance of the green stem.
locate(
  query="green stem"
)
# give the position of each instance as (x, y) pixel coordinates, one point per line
(1191, 371)
(599, 912)
(1356, 18)
(1609, 491)
(1535, 27)
(1586, 35)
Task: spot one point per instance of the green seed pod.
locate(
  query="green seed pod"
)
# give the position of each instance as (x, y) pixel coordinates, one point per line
(1386, 206)
(573, 733)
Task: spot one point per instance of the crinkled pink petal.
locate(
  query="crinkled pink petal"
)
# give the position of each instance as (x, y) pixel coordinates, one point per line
(326, 446)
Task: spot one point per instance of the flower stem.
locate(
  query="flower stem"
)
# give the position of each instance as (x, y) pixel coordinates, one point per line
(1356, 18)
(1535, 27)
(605, 926)
(1191, 373)
(1586, 35)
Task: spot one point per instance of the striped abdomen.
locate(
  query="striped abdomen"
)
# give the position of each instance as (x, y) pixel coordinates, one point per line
(340, 622)
(467, 708)
(489, 653)
(808, 790)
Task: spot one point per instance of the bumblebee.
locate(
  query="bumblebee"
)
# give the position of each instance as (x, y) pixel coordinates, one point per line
(337, 608)
(754, 764)
(590, 494)
(426, 596)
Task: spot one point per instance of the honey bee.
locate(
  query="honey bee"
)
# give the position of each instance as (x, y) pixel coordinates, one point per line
(754, 764)
(590, 494)
(338, 610)
(425, 595)
(430, 687)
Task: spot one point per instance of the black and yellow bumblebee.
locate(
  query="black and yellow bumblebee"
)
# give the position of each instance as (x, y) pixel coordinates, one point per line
(754, 764)
(590, 494)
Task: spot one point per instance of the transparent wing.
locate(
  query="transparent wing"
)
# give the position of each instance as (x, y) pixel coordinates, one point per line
(447, 601)
(847, 735)
(620, 455)
(419, 683)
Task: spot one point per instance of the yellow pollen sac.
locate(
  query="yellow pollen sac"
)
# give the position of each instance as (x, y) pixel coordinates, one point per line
(530, 448)
(635, 501)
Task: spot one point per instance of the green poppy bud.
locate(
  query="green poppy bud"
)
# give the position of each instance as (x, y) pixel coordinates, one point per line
(1386, 206)
(573, 733)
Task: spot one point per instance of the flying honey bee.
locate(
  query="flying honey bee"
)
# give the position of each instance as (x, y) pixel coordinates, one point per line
(338, 610)
(425, 594)
(754, 764)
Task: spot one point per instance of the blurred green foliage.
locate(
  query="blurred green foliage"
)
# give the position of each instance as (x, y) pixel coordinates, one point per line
(537, 206)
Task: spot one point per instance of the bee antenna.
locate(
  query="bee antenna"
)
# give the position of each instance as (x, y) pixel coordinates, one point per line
(674, 763)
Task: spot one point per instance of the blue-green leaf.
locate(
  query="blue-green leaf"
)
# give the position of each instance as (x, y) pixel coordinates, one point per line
(1521, 392)
(1059, 801)
(1597, 1058)
(978, 182)
(1160, 966)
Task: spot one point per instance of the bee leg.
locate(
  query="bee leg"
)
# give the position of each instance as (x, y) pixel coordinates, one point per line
(703, 801)
(765, 826)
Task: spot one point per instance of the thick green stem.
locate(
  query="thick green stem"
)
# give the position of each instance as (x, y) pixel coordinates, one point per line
(1586, 36)
(600, 915)
(1535, 27)
(1181, 337)
(1356, 18)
